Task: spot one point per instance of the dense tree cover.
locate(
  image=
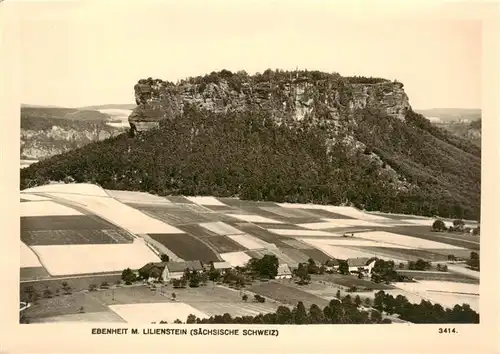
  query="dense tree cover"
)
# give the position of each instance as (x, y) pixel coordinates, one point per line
(385, 271)
(246, 154)
(265, 267)
(438, 225)
(473, 262)
(337, 312)
(420, 264)
(425, 312)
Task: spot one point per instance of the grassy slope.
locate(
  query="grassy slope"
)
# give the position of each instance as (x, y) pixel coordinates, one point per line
(247, 155)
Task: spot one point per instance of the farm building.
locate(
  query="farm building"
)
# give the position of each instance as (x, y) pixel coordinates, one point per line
(222, 266)
(331, 265)
(152, 270)
(175, 270)
(357, 265)
(284, 272)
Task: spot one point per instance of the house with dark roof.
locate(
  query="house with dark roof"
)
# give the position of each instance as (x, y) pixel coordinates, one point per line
(152, 270)
(175, 270)
(168, 270)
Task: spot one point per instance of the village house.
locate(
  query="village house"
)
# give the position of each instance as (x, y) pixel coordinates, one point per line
(168, 270)
(364, 265)
(223, 267)
(331, 265)
(284, 272)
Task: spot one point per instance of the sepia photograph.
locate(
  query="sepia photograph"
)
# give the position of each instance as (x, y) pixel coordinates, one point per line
(248, 163)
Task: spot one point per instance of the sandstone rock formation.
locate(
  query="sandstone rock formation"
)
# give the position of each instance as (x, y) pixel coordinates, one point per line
(289, 96)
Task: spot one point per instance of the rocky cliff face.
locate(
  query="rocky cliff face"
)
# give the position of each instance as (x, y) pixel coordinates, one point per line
(41, 143)
(288, 96)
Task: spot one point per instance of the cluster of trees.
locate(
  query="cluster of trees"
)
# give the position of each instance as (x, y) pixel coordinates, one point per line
(246, 154)
(304, 271)
(336, 312)
(385, 271)
(458, 226)
(425, 312)
(473, 262)
(420, 264)
(265, 267)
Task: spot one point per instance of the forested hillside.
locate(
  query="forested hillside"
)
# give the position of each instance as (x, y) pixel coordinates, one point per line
(403, 166)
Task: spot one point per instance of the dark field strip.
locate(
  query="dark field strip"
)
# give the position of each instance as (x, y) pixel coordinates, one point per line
(255, 210)
(179, 199)
(444, 276)
(395, 217)
(66, 222)
(289, 213)
(316, 254)
(425, 233)
(403, 253)
(287, 294)
(280, 226)
(29, 273)
(186, 247)
(295, 254)
(262, 234)
(326, 214)
(224, 244)
(224, 209)
(74, 237)
(351, 280)
(197, 231)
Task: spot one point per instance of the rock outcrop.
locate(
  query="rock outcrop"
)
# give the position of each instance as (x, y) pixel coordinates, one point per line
(289, 96)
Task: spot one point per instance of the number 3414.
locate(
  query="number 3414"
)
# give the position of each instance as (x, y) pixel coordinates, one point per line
(447, 330)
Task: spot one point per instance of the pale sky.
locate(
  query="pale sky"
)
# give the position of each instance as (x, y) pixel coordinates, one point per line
(78, 53)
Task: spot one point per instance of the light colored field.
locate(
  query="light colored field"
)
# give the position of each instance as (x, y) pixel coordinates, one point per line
(446, 293)
(137, 197)
(83, 259)
(28, 258)
(463, 270)
(444, 286)
(235, 309)
(120, 214)
(156, 312)
(71, 188)
(235, 259)
(249, 242)
(32, 197)
(347, 211)
(288, 212)
(289, 232)
(343, 252)
(344, 241)
(333, 223)
(102, 317)
(254, 218)
(211, 201)
(46, 208)
(403, 240)
(221, 228)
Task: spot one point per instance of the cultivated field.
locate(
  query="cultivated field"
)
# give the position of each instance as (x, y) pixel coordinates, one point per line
(87, 317)
(45, 208)
(254, 218)
(68, 259)
(211, 201)
(29, 273)
(28, 257)
(249, 242)
(75, 283)
(75, 237)
(350, 280)
(186, 246)
(137, 197)
(447, 294)
(221, 228)
(403, 240)
(301, 233)
(223, 244)
(235, 259)
(287, 294)
(148, 313)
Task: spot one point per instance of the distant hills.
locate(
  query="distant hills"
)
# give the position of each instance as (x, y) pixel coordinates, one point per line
(451, 114)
